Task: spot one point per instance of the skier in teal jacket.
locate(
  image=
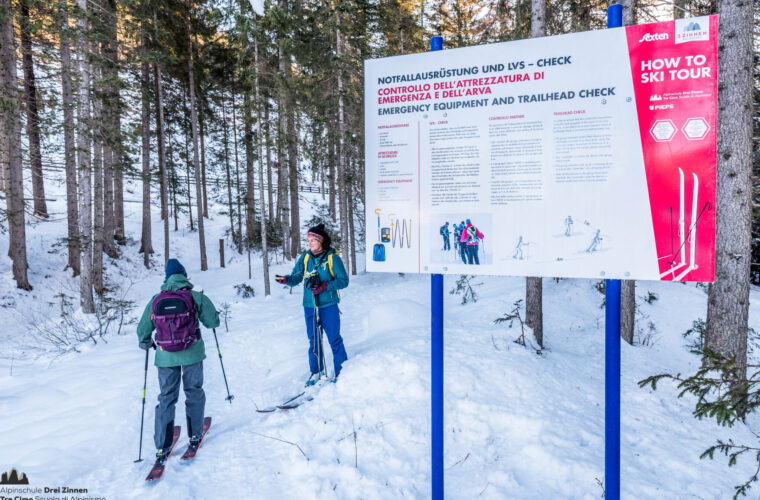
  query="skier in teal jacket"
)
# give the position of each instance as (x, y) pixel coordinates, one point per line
(322, 272)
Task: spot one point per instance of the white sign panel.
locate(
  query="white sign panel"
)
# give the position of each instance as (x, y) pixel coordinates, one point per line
(528, 158)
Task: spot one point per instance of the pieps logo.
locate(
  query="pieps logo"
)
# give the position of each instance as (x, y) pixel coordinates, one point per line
(692, 30)
(12, 477)
(651, 37)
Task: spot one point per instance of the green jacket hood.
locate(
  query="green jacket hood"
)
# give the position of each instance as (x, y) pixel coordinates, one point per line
(175, 282)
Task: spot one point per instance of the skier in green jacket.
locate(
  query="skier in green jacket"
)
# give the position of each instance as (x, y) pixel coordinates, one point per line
(180, 352)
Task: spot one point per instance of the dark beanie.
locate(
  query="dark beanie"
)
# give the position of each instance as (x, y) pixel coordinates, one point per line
(320, 233)
(174, 267)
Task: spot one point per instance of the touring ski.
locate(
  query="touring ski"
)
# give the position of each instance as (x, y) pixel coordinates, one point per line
(193, 450)
(295, 402)
(270, 409)
(158, 468)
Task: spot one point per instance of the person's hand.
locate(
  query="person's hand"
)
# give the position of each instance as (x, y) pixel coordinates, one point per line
(317, 289)
(147, 345)
(283, 280)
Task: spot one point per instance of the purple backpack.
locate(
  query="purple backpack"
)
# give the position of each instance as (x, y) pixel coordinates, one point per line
(174, 319)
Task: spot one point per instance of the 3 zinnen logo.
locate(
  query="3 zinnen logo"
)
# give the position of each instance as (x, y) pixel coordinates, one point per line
(651, 37)
(12, 477)
(692, 30)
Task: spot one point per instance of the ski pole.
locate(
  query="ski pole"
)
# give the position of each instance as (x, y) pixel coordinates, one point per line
(142, 418)
(229, 397)
(318, 335)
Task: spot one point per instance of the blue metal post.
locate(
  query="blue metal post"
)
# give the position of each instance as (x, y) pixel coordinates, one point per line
(612, 391)
(612, 355)
(436, 362)
(436, 377)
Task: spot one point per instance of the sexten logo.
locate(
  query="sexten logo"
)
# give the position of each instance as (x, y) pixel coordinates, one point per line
(12, 477)
(651, 37)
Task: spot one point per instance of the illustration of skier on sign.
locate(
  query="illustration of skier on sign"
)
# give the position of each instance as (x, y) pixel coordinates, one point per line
(569, 226)
(518, 249)
(595, 242)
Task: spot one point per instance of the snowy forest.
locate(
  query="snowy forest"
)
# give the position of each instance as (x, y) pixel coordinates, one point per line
(218, 132)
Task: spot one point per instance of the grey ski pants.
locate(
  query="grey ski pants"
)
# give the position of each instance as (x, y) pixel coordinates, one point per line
(195, 401)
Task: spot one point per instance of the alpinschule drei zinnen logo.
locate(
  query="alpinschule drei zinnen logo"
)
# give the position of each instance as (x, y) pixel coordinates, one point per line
(12, 477)
(692, 30)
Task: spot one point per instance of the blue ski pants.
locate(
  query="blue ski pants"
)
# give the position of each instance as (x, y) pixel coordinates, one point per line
(195, 401)
(463, 252)
(329, 320)
(472, 254)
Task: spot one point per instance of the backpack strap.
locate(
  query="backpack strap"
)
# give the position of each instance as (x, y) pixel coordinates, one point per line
(330, 262)
(305, 265)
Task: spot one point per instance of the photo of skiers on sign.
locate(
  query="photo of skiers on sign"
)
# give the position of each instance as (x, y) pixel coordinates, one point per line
(461, 240)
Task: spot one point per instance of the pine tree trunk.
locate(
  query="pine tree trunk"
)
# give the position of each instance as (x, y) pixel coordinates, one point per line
(173, 185)
(263, 215)
(282, 141)
(111, 108)
(32, 114)
(3, 149)
(187, 164)
(728, 297)
(10, 103)
(268, 145)
(118, 182)
(69, 154)
(237, 178)
(97, 169)
(534, 315)
(161, 140)
(203, 159)
(629, 12)
(331, 168)
(351, 232)
(340, 144)
(295, 218)
(250, 203)
(627, 309)
(679, 7)
(628, 287)
(117, 154)
(83, 162)
(291, 137)
(146, 242)
(230, 209)
(194, 124)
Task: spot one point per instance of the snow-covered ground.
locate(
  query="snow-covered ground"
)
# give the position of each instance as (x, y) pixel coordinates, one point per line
(517, 424)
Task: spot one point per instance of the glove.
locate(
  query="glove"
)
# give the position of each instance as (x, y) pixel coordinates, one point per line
(283, 280)
(317, 289)
(147, 345)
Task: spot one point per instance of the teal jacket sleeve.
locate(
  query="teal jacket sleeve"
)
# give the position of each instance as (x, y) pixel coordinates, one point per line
(145, 326)
(296, 277)
(206, 311)
(341, 276)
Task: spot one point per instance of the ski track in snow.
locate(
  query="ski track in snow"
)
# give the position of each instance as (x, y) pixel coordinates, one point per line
(517, 425)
